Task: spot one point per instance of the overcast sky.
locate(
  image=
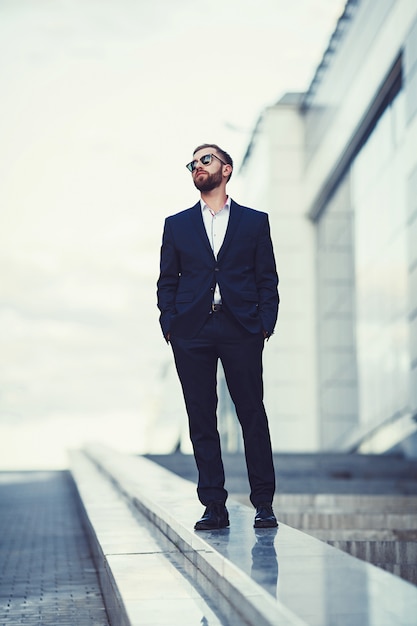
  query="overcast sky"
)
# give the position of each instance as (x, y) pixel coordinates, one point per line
(102, 104)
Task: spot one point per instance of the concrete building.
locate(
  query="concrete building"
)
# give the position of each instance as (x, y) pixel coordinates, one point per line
(336, 169)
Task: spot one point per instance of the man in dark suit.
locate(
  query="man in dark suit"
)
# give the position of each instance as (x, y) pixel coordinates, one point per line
(218, 297)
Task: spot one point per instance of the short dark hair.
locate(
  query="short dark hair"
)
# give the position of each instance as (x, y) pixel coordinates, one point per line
(224, 155)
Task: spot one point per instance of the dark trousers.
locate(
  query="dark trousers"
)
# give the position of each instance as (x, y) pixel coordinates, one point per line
(196, 361)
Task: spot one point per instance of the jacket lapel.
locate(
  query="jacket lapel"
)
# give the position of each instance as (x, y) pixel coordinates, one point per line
(234, 218)
(198, 225)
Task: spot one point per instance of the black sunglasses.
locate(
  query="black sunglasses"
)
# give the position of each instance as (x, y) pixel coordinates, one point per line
(206, 159)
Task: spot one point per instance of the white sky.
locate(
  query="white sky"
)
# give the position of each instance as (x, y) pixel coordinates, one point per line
(102, 104)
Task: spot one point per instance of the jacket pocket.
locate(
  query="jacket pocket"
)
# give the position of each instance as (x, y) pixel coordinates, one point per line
(186, 296)
(251, 296)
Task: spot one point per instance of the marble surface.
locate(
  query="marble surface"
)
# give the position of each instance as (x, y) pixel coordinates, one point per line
(271, 576)
(143, 576)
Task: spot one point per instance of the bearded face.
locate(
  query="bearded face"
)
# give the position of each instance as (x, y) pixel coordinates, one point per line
(204, 181)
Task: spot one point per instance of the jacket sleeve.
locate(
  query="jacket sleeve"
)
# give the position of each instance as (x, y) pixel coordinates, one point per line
(267, 279)
(168, 279)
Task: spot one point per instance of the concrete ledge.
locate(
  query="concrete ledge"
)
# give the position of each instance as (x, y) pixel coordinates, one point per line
(107, 482)
(97, 499)
(318, 585)
(143, 577)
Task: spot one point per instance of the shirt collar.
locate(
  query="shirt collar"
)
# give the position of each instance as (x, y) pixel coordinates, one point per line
(226, 206)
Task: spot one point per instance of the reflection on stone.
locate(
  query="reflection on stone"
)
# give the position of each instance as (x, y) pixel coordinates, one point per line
(264, 559)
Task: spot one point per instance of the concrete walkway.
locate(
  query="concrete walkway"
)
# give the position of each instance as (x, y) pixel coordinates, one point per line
(47, 576)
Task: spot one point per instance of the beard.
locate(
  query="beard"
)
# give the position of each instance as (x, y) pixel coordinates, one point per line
(210, 181)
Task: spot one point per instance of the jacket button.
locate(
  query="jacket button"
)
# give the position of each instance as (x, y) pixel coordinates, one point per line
(217, 269)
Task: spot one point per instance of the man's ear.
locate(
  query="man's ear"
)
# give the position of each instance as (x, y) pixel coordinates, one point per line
(227, 170)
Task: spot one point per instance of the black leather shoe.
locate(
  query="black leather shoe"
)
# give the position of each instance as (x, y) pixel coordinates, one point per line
(265, 517)
(215, 516)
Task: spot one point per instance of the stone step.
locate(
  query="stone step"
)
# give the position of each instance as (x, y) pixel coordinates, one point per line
(363, 521)
(348, 503)
(353, 534)
(376, 552)
(398, 557)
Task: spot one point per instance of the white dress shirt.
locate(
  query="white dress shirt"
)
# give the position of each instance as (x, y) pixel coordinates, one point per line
(216, 226)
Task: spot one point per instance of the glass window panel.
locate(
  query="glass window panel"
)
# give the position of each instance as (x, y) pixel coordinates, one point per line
(362, 261)
(381, 272)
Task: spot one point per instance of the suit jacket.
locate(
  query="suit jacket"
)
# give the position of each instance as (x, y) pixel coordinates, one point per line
(244, 270)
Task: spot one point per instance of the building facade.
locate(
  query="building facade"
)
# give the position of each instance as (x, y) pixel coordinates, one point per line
(336, 169)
